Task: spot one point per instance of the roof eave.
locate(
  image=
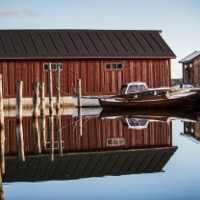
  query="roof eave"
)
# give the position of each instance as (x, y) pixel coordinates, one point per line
(88, 57)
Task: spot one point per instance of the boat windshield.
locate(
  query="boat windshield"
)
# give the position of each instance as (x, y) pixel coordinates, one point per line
(132, 88)
(136, 88)
(123, 89)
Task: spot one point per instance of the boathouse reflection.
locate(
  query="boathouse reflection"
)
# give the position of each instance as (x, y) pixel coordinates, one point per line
(96, 133)
(105, 147)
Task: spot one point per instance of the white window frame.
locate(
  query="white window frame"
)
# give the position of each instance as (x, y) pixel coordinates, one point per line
(53, 66)
(114, 66)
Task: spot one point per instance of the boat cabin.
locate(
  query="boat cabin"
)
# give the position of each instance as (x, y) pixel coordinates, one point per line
(142, 89)
(133, 87)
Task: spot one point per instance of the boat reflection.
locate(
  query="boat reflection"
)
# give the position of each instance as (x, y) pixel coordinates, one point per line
(156, 114)
(110, 144)
(135, 123)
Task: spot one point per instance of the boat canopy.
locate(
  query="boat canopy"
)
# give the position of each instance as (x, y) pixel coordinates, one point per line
(133, 87)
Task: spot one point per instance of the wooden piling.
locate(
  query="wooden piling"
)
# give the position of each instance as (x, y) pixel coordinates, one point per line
(35, 86)
(2, 128)
(1, 94)
(58, 117)
(58, 88)
(42, 99)
(43, 130)
(50, 89)
(80, 122)
(19, 129)
(42, 114)
(1, 188)
(36, 130)
(50, 113)
(79, 93)
(59, 133)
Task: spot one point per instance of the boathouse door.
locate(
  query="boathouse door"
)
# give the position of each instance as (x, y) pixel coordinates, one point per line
(113, 76)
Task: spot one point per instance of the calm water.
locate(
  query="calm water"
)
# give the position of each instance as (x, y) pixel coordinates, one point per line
(152, 159)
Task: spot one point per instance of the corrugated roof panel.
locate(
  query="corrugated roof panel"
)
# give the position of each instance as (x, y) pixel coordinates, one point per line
(69, 43)
(165, 48)
(39, 43)
(78, 42)
(97, 42)
(19, 44)
(2, 46)
(28, 41)
(49, 43)
(134, 42)
(125, 42)
(59, 43)
(88, 42)
(116, 42)
(7, 40)
(106, 41)
(152, 43)
(144, 44)
(146, 161)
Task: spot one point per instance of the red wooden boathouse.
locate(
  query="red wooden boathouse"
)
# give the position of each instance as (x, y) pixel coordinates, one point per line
(102, 59)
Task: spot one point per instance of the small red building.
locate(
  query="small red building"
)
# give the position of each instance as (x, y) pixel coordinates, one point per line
(191, 68)
(102, 59)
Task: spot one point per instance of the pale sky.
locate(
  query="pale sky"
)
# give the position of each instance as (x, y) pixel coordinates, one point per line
(178, 19)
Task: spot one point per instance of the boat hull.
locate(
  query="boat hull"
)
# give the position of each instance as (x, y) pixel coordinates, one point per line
(176, 101)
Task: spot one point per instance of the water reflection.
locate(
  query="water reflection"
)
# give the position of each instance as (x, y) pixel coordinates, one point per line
(191, 130)
(112, 143)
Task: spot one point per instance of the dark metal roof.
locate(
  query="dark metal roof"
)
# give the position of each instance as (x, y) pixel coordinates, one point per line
(86, 165)
(68, 44)
(190, 57)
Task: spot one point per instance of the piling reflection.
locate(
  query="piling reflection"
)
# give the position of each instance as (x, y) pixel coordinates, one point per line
(112, 143)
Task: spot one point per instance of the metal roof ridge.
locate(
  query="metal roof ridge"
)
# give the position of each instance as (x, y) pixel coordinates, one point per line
(137, 30)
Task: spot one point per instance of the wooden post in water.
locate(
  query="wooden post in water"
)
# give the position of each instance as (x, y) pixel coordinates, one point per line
(58, 88)
(42, 114)
(50, 112)
(42, 99)
(35, 86)
(59, 133)
(1, 95)
(2, 128)
(19, 129)
(36, 131)
(1, 188)
(79, 93)
(58, 117)
(80, 122)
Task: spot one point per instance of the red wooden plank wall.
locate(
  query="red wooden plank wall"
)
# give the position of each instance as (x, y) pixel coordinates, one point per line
(96, 80)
